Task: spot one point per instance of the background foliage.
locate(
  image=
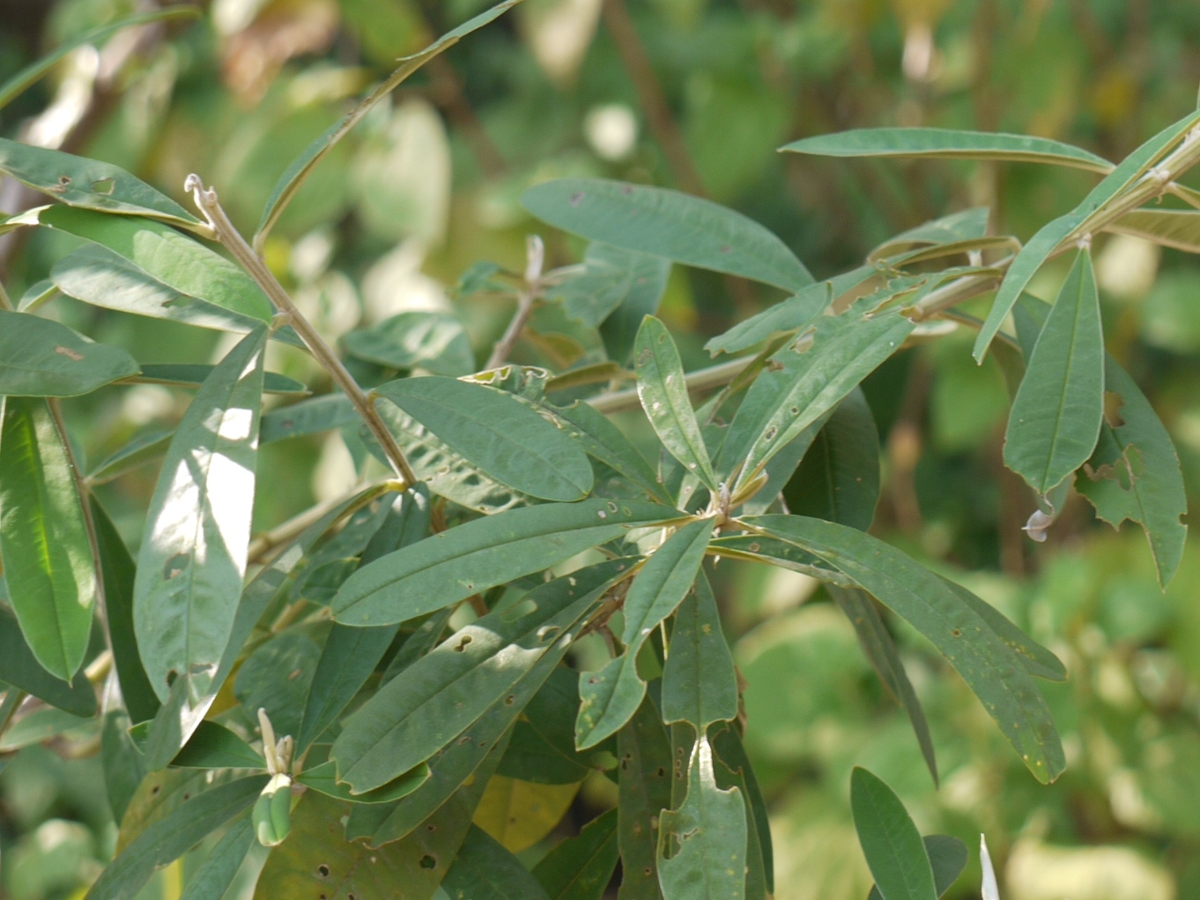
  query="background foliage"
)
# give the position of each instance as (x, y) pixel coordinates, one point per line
(429, 185)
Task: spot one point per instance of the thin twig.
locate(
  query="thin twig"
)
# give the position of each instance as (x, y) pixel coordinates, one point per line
(233, 241)
(535, 258)
(700, 380)
(12, 702)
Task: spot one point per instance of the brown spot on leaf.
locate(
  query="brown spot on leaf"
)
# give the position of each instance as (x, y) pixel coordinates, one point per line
(68, 353)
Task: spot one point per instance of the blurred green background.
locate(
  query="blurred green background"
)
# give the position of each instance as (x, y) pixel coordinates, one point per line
(696, 94)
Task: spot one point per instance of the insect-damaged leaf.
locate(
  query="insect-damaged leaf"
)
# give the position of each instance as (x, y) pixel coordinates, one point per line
(644, 768)
(890, 841)
(434, 341)
(519, 813)
(193, 554)
(48, 564)
(699, 684)
(41, 358)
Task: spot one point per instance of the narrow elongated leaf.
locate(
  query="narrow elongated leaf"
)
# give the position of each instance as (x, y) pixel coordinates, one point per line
(702, 844)
(214, 746)
(484, 870)
(580, 868)
(432, 701)
(1178, 229)
(947, 857)
(838, 479)
(759, 548)
(669, 224)
(602, 440)
(174, 836)
(699, 682)
(48, 563)
(301, 167)
(47, 724)
(1134, 474)
(880, 648)
(276, 677)
(611, 696)
(434, 341)
(327, 413)
(645, 770)
(20, 669)
(542, 747)
(88, 183)
(189, 375)
(144, 448)
(732, 755)
(119, 573)
(175, 260)
(964, 225)
(662, 388)
(613, 278)
(890, 841)
(323, 778)
(193, 555)
(123, 769)
(947, 143)
(989, 666)
(215, 876)
(481, 554)
(41, 358)
(1059, 408)
(495, 432)
(519, 814)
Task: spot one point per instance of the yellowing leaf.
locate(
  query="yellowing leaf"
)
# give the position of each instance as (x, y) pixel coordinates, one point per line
(518, 814)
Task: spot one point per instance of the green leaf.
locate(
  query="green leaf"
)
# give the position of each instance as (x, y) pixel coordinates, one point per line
(323, 778)
(880, 649)
(838, 479)
(424, 707)
(174, 836)
(142, 449)
(277, 676)
(123, 769)
(669, 224)
(809, 381)
(702, 844)
(965, 225)
(481, 554)
(326, 413)
(47, 724)
(890, 841)
(119, 573)
(542, 747)
(175, 260)
(1056, 416)
(49, 567)
(986, 662)
(1178, 229)
(301, 167)
(662, 388)
(484, 870)
(193, 554)
(214, 746)
(88, 183)
(611, 696)
(732, 755)
(699, 684)
(947, 857)
(604, 441)
(644, 769)
(434, 341)
(612, 278)
(1134, 474)
(216, 875)
(41, 358)
(496, 433)
(188, 375)
(946, 143)
(760, 548)
(581, 867)
(791, 314)
(20, 668)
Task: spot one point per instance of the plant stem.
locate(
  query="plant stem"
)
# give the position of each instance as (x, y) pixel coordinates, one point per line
(12, 702)
(535, 257)
(5, 302)
(233, 241)
(700, 380)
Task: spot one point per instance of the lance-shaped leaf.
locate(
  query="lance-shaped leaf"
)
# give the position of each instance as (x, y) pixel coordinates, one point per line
(41, 358)
(323, 778)
(702, 844)
(432, 701)
(350, 655)
(194, 375)
(216, 874)
(20, 669)
(995, 674)
(581, 867)
(947, 143)
(880, 648)
(890, 841)
(838, 479)
(811, 380)
(142, 449)
(759, 548)
(1051, 235)
(213, 746)
(731, 753)
(173, 836)
(88, 183)
(48, 564)
(665, 223)
(612, 278)
(484, 870)
(662, 388)
(495, 432)
(175, 260)
(645, 766)
(301, 167)
(434, 341)
(699, 683)
(947, 857)
(119, 573)
(1056, 416)
(326, 413)
(519, 813)
(604, 441)
(1134, 473)
(1175, 228)
(123, 769)
(542, 747)
(481, 554)
(193, 554)
(611, 696)
(965, 225)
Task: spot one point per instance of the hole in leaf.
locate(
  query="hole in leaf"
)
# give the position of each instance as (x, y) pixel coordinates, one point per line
(323, 870)
(428, 862)
(176, 565)
(103, 186)
(462, 643)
